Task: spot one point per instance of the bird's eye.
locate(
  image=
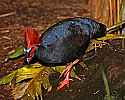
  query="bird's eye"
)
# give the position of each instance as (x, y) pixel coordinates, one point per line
(27, 50)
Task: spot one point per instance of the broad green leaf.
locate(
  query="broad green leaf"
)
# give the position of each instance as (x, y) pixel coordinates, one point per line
(39, 76)
(16, 53)
(28, 71)
(7, 79)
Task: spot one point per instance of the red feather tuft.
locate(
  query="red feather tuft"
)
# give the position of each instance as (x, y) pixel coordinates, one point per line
(31, 37)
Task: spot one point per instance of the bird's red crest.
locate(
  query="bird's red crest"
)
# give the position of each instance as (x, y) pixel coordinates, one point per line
(31, 37)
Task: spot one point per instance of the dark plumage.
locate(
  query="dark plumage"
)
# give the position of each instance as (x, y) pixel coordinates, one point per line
(67, 40)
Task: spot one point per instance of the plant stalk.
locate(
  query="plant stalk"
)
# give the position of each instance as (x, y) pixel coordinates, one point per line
(108, 95)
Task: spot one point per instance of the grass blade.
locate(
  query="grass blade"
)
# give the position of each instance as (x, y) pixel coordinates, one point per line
(108, 95)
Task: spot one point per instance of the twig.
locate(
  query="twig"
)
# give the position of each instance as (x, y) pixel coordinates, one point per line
(7, 14)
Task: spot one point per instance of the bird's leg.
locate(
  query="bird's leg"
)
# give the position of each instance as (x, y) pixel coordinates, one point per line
(66, 74)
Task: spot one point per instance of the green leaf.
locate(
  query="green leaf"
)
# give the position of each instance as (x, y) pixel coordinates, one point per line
(7, 79)
(16, 53)
(28, 71)
(39, 77)
(59, 68)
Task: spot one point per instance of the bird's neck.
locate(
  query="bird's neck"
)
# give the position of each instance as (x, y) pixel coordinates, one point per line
(39, 51)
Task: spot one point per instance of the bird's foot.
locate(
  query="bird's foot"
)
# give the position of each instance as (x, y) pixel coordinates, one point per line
(64, 83)
(66, 74)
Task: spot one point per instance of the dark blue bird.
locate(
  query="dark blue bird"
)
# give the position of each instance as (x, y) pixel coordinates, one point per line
(64, 42)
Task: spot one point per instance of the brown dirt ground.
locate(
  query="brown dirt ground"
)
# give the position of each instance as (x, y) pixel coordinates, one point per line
(41, 14)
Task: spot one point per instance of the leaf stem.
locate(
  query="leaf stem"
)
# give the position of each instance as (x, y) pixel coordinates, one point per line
(108, 96)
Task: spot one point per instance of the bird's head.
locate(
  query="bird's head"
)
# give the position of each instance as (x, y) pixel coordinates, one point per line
(29, 54)
(31, 43)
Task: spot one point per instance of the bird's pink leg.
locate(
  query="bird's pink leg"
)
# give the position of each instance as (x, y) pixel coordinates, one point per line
(66, 74)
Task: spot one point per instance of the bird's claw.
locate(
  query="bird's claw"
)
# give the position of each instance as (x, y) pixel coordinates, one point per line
(66, 74)
(65, 82)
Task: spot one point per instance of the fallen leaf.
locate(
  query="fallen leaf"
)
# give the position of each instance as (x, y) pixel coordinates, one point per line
(16, 53)
(7, 79)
